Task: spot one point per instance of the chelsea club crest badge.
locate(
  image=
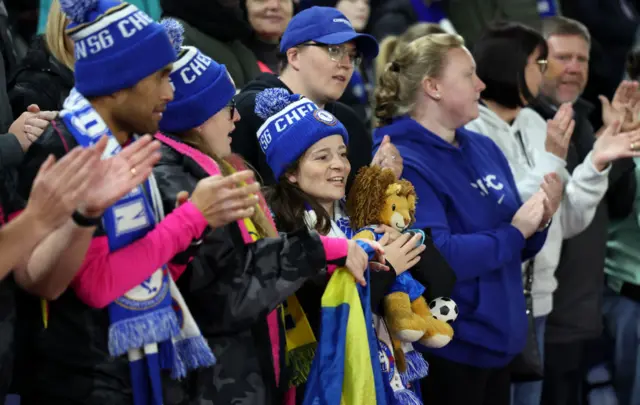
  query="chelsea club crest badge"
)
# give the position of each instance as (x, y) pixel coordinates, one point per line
(325, 117)
(147, 294)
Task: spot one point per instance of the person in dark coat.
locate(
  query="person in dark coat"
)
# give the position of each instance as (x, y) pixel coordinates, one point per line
(45, 76)
(234, 286)
(320, 71)
(219, 29)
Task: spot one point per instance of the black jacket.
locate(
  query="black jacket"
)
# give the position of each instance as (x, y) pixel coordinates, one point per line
(218, 28)
(245, 142)
(577, 302)
(230, 287)
(9, 202)
(40, 79)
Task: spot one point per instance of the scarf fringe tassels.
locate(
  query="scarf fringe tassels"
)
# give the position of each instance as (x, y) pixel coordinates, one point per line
(133, 333)
(417, 367)
(194, 352)
(406, 397)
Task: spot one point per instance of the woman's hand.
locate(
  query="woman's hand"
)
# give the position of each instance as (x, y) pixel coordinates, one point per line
(358, 259)
(404, 252)
(390, 234)
(559, 131)
(388, 156)
(554, 189)
(529, 217)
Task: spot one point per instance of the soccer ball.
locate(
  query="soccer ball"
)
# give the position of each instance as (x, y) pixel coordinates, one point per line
(444, 309)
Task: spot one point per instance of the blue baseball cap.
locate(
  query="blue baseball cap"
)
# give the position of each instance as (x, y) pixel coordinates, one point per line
(326, 25)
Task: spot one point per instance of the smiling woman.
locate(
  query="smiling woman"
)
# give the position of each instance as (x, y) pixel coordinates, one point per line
(268, 19)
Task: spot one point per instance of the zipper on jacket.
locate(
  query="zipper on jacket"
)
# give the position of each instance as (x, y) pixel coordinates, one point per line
(518, 135)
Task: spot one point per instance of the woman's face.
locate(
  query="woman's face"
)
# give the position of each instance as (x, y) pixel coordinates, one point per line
(356, 11)
(215, 131)
(325, 79)
(533, 72)
(459, 88)
(323, 170)
(269, 18)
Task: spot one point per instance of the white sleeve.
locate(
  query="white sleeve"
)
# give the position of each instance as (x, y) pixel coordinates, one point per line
(528, 166)
(583, 192)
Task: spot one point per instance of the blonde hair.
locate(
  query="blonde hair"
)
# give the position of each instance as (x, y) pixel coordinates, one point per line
(391, 43)
(259, 218)
(55, 36)
(396, 91)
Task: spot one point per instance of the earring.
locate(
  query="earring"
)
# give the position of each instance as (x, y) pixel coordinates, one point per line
(438, 96)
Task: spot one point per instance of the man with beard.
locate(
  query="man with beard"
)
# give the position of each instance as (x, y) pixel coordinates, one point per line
(576, 318)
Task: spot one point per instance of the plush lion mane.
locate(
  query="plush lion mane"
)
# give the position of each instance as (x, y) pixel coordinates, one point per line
(368, 195)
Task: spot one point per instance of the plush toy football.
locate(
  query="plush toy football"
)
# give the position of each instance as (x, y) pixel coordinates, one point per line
(444, 309)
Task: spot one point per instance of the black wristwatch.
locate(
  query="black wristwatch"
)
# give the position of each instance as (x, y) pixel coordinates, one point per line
(85, 222)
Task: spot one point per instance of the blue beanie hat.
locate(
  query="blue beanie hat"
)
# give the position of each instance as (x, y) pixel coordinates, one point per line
(293, 124)
(202, 87)
(116, 45)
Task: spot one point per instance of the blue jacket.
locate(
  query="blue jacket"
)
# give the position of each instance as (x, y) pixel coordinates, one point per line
(467, 196)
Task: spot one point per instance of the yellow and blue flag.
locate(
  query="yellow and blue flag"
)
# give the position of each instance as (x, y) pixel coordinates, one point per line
(346, 368)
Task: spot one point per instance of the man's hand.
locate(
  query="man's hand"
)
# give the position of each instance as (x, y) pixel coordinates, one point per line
(624, 107)
(31, 124)
(119, 174)
(60, 187)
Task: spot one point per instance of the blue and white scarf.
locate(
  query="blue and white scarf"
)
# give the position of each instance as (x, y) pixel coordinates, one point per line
(150, 323)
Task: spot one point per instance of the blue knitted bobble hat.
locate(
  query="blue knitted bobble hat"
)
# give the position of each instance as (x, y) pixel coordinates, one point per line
(202, 87)
(292, 125)
(116, 45)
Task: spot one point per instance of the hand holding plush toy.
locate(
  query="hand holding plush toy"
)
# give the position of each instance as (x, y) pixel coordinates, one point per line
(378, 198)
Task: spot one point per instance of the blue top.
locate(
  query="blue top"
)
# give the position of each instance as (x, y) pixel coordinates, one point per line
(467, 196)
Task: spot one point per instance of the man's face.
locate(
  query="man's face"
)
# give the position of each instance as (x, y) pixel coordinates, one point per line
(568, 68)
(140, 108)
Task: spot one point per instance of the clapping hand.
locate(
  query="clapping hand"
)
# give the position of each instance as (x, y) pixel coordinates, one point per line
(223, 200)
(529, 217)
(119, 174)
(559, 131)
(624, 107)
(613, 145)
(553, 188)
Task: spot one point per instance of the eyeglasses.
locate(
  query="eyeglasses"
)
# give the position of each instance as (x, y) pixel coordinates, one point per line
(337, 53)
(542, 64)
(232, 108)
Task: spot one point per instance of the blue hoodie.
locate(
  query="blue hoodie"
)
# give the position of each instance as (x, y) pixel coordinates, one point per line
(467, 196)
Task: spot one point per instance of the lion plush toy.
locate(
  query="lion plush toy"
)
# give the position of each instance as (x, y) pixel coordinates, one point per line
(377, 197)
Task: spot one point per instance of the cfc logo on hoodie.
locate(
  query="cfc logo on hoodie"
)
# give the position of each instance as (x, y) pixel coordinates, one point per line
(490, 181)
